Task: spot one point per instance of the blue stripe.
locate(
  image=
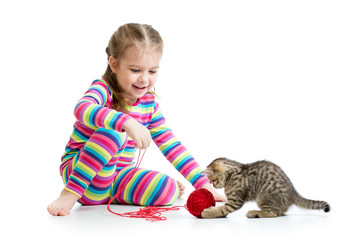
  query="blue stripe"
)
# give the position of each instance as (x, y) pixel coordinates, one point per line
(157, 191)
(99, 92)
(184, 162)
(76, 182)
(120, 178)
(135, 185)
(93, 114)
(83, 175)
(98, 190)
(95, 155)
(171, 147)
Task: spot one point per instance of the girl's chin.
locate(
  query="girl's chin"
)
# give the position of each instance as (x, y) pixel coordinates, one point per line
(134, 97)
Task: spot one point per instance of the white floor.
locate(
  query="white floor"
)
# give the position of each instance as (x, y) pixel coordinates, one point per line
(247, 80)
(95, 222)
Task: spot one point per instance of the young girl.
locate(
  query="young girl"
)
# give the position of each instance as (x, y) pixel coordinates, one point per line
(116, 115)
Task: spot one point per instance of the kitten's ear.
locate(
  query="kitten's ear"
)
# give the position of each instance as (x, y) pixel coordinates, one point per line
(207, 172)
(219, 167)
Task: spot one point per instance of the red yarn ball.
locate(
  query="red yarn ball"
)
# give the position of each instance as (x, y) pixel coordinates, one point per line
(199, 200)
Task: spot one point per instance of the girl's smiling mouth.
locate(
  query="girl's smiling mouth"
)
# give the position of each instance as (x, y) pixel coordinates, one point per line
(139, 88)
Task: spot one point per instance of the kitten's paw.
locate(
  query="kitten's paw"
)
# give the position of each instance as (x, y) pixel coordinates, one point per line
(253, 214)
(208, 213)
(262, 214)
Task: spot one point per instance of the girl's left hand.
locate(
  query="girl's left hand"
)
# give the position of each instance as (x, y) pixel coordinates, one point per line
(218, 197)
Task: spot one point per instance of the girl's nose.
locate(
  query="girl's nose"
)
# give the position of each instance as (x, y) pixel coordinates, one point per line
(144, 78)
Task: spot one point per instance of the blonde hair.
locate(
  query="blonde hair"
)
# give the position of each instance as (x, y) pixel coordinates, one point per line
(129, 35)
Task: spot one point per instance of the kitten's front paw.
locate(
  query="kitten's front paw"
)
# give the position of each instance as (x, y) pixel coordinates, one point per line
(208, 213)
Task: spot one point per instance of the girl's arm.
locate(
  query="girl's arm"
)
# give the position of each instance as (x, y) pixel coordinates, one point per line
(93, 109)
(174, 151)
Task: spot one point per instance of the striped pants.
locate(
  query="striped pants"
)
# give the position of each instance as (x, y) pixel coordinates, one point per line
(93, 176)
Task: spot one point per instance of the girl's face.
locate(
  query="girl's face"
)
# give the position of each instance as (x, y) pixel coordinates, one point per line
(136, 72)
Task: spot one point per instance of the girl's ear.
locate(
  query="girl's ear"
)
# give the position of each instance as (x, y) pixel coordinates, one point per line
(113, 64)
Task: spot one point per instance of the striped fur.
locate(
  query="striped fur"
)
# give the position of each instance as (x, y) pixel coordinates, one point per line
(261, 181)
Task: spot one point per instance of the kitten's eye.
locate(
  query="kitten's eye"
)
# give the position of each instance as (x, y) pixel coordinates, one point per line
(135, 70)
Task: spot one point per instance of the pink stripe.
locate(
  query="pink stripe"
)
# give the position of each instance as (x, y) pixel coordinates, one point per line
(86, 201)
(70, 185)
(104, 142)
(175, 152)
(89, 162)
(80, 109)
(166, 195)
(163, 138)
(142, 186)
(201, 182)
(101, 116)
(120, 123)
(188, 168)
(103, 183)
(83, 129)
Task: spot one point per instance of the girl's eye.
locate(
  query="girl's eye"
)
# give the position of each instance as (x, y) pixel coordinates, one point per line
(135, 70)
(152, 72)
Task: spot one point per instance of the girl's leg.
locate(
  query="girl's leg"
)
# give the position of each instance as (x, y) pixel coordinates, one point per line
(146, 188)
(90, 175)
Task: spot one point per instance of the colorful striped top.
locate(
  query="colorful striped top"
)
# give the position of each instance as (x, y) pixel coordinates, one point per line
(93, 111)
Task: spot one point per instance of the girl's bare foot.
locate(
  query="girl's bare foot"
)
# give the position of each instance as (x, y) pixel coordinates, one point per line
(63, 205)
(181, 188)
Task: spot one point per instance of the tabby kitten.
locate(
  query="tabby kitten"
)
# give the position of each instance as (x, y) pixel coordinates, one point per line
(261, 181)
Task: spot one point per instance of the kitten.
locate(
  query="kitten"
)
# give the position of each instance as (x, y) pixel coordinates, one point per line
(261, 181)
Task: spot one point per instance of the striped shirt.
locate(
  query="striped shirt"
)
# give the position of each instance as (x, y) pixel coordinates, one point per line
(94, 111)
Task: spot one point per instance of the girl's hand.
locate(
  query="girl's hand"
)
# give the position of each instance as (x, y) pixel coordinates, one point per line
(140, 134)
(218, 197)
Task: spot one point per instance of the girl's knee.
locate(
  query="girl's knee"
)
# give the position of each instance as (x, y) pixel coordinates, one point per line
(167, 193)
(146, 188)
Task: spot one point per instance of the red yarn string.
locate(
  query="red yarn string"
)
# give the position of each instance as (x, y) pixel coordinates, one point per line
(150, 213)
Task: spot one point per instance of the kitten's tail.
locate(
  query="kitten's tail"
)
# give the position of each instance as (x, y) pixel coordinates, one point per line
(311, 204)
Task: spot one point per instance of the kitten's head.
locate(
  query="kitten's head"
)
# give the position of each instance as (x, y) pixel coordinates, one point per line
(215, 172)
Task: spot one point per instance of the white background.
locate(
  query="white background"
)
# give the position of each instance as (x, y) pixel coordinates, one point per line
(247, 80)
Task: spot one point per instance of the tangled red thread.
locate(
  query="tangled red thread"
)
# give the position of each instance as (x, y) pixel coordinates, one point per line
(199, 200)
(150, 213)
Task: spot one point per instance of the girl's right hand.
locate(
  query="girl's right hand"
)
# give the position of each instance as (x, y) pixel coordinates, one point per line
(140, 134)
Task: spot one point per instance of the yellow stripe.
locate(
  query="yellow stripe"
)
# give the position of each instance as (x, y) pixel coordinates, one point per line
(167, 144)
(95, 147)
(175, 196)
(86, 169)
(108, 118)
(130, 184)
(95, 196)
(149, 190)
(72, 191)
(106, 173)
(86, 115)
(93, 95)
(193, 173)
(180, 157)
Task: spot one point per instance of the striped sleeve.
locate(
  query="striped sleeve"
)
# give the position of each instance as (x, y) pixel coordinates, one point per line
(93, 108)
(174, 151)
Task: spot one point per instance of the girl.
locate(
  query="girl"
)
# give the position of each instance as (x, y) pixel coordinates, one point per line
(116, 115)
